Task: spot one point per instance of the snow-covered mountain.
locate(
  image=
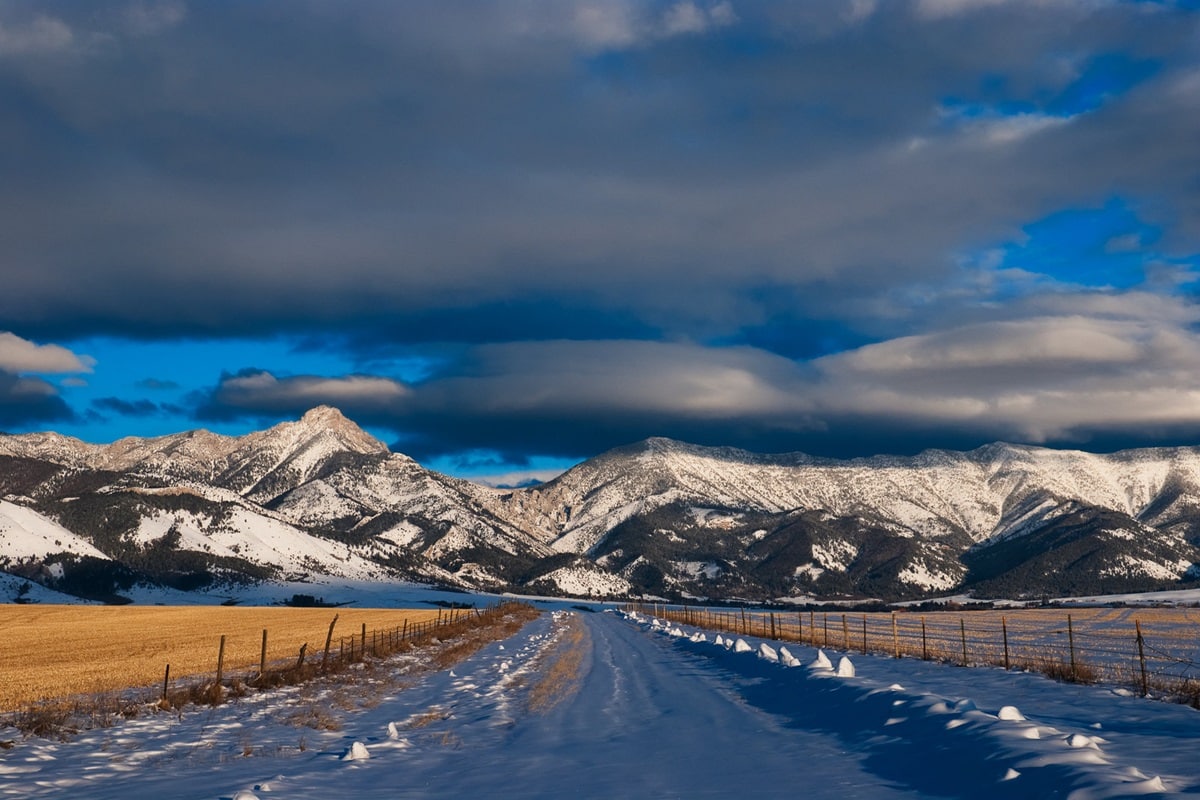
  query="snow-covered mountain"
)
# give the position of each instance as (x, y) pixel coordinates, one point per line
(318, 496)
(1003, 517)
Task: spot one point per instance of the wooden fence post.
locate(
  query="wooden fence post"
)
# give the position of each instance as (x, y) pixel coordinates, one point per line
(363, 649)
(864, 634)
(895, 637)
(1004, 628)
(166, 682)
(328, 641)
(924, 642)
(1071, 644)
(962, 626)
(221, 661)
(826, 629)
(845, 634)
(1142, 657)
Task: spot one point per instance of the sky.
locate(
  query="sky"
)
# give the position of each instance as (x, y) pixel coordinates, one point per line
(504, 237)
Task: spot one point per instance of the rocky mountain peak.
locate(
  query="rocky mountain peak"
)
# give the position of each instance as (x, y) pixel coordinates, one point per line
(327, 420)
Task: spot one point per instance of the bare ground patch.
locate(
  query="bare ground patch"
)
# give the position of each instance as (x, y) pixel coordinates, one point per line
(559, 670)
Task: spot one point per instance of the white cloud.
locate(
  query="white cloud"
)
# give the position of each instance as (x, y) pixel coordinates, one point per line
(149, 18)
(606, 24)
(684, 18)
(614, 24)
(262, 390)
(1071, 340)
(43, 34)
(860, 10)
(1034, 380)
(939, 9)
(21, 355)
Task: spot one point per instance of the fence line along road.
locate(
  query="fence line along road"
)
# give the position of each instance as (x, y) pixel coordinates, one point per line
(1151, 651)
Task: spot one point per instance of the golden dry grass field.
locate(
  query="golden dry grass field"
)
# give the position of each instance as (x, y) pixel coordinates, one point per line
(51, 651)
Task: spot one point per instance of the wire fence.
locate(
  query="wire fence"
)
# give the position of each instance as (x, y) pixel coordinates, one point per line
(65, 716)
(1154, 652)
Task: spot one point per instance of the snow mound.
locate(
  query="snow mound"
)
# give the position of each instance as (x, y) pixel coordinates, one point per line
(767, 653)
(1082, 740)
(698, 637)
(821, 661)
(1011, 713)
(356, 752)
(845, 668)
(244, 794)
(719, 641)
(740, 646)
(787, 659)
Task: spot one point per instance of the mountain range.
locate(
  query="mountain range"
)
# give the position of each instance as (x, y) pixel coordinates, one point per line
(198, 511)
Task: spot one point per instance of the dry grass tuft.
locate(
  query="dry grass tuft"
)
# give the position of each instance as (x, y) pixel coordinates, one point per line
(431, 716)
(1060, 670)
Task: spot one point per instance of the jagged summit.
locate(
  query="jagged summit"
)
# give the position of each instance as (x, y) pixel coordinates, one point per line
(327, 421)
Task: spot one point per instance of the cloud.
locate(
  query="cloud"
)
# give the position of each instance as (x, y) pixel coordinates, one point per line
(1037, 380)
(1052, 378)
(26, 400)
(158, 384)
(732, 222)
(151, 18)
(127, 408)
(21, 355)
(686, 17)
(614, 158)
(258, 393)
(940, 9)
(42, 34)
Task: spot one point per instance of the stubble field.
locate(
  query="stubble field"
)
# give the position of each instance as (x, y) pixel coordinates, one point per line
(51, 651)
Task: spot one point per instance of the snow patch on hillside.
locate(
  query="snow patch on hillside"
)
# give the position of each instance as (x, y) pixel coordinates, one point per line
(809, 570)
(715, 518)
(836, 554)
(919, 573)
(1125, 564)
(582, 581)
(700, 569)
(26, 534)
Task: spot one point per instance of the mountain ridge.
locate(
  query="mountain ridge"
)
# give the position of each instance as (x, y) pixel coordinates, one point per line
(658, 517)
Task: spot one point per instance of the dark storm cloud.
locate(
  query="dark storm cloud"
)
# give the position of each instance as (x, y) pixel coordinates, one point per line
(30, 399)
(158, 384)
(127, 408)
(242, 168)
(783, 226)
(27, 400)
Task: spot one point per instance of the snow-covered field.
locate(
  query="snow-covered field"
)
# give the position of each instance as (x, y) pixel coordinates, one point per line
(652, 710)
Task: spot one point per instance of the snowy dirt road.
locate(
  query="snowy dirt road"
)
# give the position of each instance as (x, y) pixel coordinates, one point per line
(599, 705)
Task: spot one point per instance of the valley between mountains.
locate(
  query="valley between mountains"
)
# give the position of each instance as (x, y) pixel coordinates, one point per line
(319, 498)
